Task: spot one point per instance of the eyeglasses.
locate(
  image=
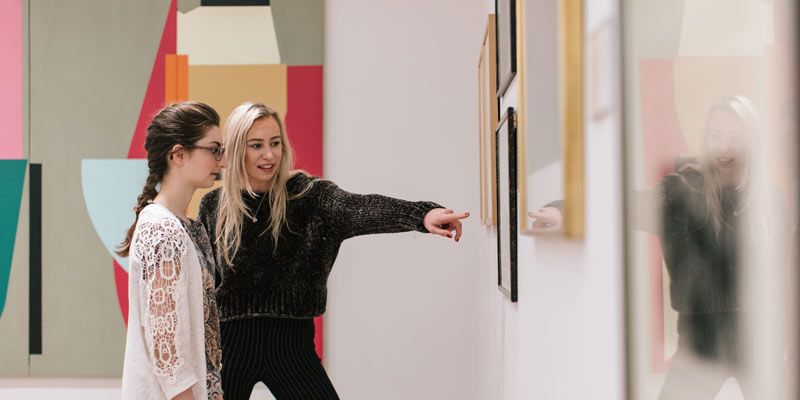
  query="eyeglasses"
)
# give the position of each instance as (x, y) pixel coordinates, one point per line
(216, 151)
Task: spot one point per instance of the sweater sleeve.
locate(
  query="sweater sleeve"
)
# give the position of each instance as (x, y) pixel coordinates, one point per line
(349, 214)
(165, 305)
(207, 215)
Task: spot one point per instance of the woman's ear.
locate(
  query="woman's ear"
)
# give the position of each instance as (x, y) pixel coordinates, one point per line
(177, 154)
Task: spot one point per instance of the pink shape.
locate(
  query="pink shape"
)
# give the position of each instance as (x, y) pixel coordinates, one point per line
(121, 280)
(11, 79)
(663, 144)
(154, 97)
(304, 116)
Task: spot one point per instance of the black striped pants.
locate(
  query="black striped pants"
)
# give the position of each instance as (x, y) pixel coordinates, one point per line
(277, 351)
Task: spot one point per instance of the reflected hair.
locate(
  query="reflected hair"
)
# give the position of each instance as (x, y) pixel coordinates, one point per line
(754, 187)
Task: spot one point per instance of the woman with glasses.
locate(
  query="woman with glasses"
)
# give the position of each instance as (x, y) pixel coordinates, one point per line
(172, 349)
(277, 234)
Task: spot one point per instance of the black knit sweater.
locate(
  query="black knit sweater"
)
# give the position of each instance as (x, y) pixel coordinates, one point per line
(291, 280)
(702, 265)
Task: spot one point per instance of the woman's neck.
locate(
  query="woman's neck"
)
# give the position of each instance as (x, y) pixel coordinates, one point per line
(260, 186)
(175, 196)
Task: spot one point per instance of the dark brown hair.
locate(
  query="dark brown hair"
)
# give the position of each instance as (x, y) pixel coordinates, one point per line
(182, 123)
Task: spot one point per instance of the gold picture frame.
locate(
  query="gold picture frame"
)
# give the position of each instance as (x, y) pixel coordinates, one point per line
(488, 117)
(565, 39)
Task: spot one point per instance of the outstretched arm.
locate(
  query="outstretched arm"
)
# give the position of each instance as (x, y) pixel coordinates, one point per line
(349, 214)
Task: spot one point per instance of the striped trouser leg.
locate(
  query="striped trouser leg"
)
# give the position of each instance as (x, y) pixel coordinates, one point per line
(277, 351)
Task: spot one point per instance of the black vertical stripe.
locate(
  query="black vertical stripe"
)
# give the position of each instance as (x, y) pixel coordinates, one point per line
(35, 271)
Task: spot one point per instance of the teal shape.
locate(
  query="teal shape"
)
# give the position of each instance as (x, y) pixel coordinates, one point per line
(12, 179)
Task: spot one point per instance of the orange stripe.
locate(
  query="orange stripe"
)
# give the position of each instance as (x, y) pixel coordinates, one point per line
(182, 73)
(170, 79)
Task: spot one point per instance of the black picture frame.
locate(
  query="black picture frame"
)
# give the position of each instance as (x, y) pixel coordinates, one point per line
(506, 27)
(506, 198)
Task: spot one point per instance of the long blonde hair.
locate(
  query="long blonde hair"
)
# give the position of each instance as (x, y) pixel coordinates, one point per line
(754, 187)
(232, 209)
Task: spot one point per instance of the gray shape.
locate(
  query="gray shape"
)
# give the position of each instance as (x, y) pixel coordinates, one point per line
(657, 27)
(14, 321)
(299, 27)
(184, 6)
(90, 64)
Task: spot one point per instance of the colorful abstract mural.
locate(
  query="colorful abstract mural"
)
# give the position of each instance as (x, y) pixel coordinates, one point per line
(89, 101)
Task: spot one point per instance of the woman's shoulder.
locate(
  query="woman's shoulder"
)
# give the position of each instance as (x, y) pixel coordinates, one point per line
(157, 219)
(211, 197)
(301, 183)
(687, 178)
(158, 226)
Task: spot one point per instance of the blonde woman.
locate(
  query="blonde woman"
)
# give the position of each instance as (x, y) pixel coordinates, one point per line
(172, 349)
(712, 211)
(277, 236)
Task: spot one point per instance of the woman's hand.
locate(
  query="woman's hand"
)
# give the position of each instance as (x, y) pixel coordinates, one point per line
(441, 221)
(547, 218)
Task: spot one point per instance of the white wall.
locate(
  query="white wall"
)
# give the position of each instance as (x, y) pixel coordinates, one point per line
(400, 120)
(564, 338)
(418, 317)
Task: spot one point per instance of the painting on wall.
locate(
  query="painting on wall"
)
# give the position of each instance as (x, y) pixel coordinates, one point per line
(487, 119)
(551, 118)
(506, 156)
(506, 26)
(76, 171)
(707, 141)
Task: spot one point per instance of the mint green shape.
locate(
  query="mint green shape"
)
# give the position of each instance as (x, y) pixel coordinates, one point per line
(12, 177)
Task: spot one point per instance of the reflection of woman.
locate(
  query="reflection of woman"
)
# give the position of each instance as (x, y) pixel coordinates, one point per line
(278, 235)
(711, 213)
(172, 349)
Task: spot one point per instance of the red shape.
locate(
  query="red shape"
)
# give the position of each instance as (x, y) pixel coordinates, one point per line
(121, 280)
(154, 97)
(664, 142)
(318, 336)
(153, 101)
(304, 116)
(304, 128)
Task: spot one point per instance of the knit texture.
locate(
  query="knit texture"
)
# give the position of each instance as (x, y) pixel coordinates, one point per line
(290, 280)
(702, 266)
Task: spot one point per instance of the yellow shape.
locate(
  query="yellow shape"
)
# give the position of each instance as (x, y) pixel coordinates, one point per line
(194, 205)
(226, 87)
(228, 35)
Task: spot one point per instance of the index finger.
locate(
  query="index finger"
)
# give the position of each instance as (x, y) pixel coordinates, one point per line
(453, 217)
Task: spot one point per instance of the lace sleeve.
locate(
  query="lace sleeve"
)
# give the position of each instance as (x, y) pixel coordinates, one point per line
(166, 308)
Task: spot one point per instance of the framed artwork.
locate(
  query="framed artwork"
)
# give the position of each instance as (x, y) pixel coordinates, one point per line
(487, 116)
(551, 184)
(694, 102)
(506, 43)
(506, 139)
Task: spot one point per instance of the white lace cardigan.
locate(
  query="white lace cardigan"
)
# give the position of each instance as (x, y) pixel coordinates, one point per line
(165, 350)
